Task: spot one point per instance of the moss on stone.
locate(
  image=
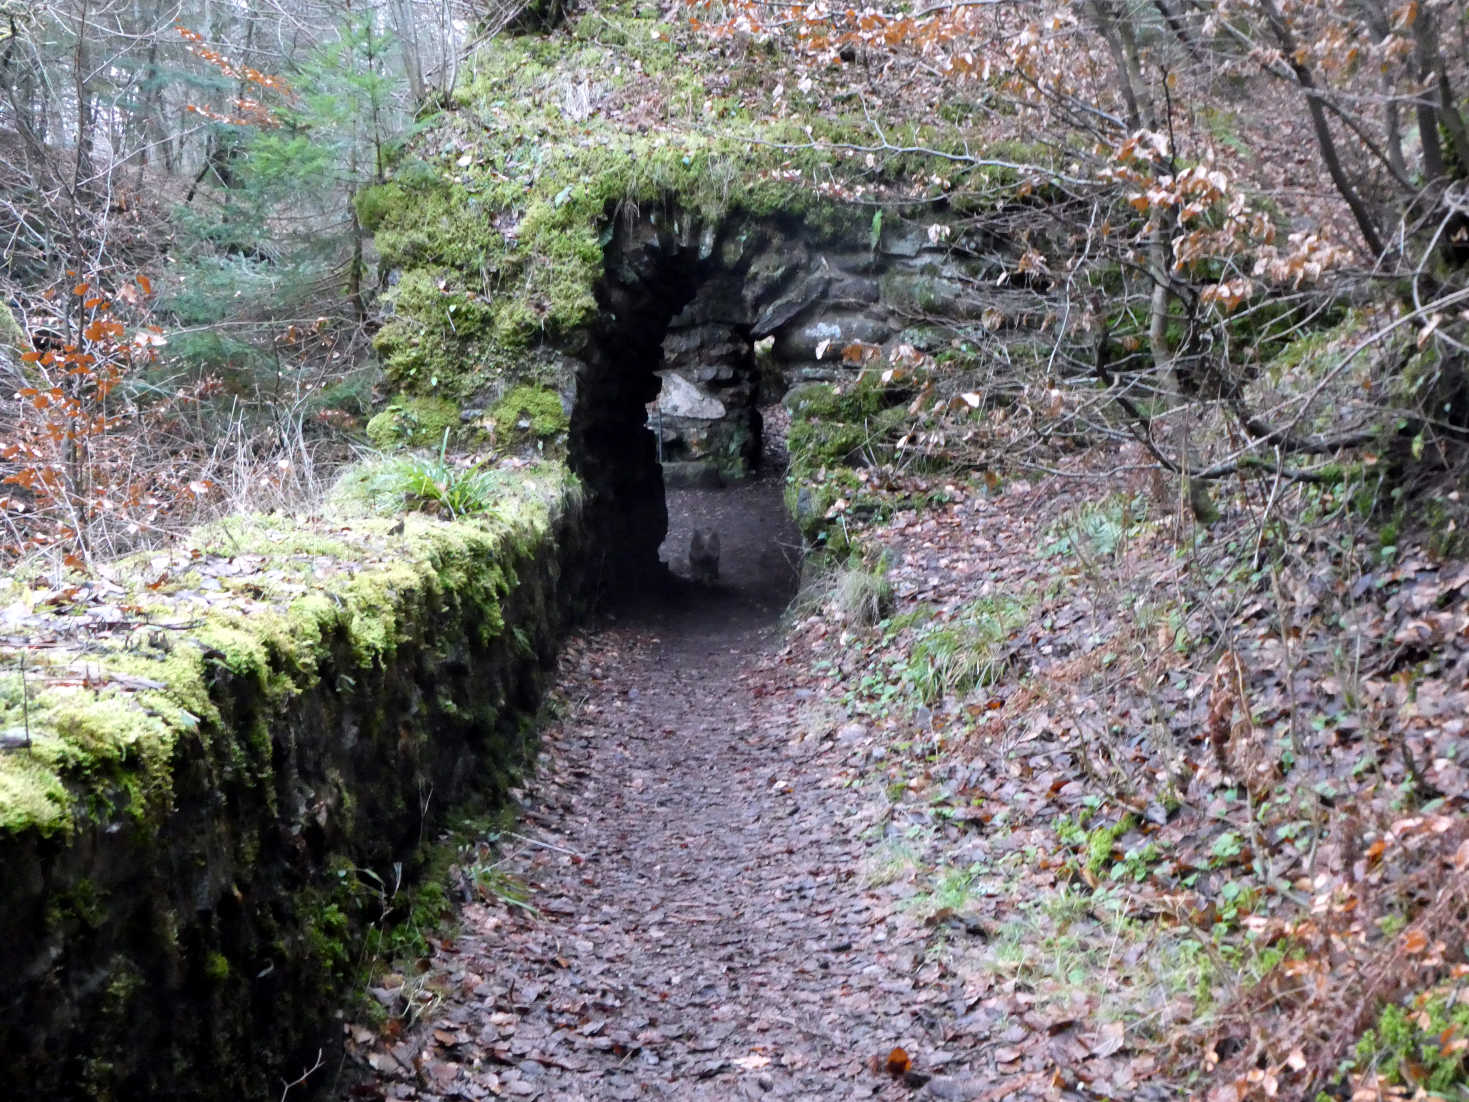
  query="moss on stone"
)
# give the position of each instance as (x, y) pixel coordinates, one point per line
(327, 940)
(828, 443)
(411, 421)
(530, 411)
(836, 431)
(813, 400)
(12, 336)
(32, 796)
(216, 967)
(422, 219)
(83, 903)
(863, 397)
(123, 981)
(264, 596)
(837, 426)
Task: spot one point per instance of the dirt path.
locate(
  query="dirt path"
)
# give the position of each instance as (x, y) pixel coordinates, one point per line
(702, 925)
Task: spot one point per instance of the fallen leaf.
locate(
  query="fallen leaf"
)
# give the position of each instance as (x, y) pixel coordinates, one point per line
(1109, 1039)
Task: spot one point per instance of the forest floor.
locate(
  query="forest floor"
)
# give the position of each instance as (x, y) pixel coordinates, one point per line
(691, 919)
(682, 909)
(1094, 805)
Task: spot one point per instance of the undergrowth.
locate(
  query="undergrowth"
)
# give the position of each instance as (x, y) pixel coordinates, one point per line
(1211, 808)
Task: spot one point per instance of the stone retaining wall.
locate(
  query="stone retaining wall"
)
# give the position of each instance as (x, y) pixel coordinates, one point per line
(230, 772)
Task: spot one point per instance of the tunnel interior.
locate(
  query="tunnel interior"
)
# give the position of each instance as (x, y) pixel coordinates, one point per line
(667, 405)
(705, 322)
(611, 447)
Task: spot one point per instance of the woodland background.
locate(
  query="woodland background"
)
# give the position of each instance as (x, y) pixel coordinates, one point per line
(184, 273)
(192, 292)
(1246, 223)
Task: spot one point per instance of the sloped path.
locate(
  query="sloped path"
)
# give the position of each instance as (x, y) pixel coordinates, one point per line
(703, 926)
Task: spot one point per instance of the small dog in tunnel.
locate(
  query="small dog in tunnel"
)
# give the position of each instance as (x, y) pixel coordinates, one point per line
(704, 555)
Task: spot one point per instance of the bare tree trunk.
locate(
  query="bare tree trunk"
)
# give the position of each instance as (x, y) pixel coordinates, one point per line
(1168, 364)
(354, 272)
(1434, 78)
(1423, 106)
(1330, 157)
(153, 135)
(81, 63)
(18, 64)
(1179, 28)
(1376, 20)
(1129, 78)
(410, 47)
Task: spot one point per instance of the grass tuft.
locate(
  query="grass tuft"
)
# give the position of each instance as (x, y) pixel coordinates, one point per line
(862, 595)
(423, 483)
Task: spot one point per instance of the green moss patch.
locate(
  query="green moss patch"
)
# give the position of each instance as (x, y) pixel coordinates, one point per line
(836, 433)
(12, 335)
(530, 411)
(412, 421)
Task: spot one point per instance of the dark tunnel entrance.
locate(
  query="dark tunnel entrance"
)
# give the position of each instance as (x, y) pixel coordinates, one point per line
(667, 432)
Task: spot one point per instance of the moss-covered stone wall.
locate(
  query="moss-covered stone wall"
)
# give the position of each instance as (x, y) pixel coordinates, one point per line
(591, 211)
(235, 752)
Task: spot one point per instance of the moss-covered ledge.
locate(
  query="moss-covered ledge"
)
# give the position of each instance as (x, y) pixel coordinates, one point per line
(235, 750)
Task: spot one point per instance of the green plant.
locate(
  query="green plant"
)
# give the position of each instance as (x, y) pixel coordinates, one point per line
(968, 651)
(950, 893)
(1065, 944)
(1100, 843)
(894, 860)
(1423, 1044)
(1098, 530)
(1226, 847)
(1137, 863)
(491, 882)
(1068, 833)
(878, 688)
(1236, 899)
(432, 484)
(1097, 846)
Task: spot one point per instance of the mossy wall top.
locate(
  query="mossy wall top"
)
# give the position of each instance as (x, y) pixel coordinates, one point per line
(118, 672)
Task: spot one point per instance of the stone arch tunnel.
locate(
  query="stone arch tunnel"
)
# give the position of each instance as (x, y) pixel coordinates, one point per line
(686, 302)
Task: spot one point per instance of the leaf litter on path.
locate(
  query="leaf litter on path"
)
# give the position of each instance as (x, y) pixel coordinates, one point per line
(702, 926)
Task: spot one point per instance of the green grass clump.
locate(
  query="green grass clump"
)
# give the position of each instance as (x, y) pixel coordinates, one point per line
(425, 483)
(861, 594)
(950, 659)
(430, 484)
